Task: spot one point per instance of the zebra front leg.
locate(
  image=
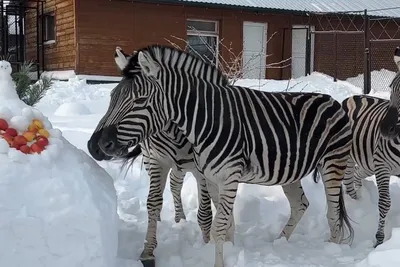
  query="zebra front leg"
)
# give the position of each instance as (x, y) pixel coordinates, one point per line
(158, 176)
(384, 202)
(298, 205)
(204, 212)
(214, 193)
(176, 183)
(227, 194)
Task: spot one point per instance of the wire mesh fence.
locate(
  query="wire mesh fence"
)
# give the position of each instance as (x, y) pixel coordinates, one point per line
(356, 45)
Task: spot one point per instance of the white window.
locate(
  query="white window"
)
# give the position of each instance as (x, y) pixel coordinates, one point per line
(49, 28)
(202, 38)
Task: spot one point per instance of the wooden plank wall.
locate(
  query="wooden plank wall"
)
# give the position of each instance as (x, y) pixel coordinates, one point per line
(60, 55)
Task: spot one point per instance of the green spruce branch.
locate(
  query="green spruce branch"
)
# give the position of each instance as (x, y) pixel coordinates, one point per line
(28, 92)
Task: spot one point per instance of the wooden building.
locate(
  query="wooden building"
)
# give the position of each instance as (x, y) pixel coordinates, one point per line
(81, 35)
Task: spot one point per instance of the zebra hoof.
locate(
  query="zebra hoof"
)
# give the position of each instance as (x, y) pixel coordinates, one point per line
(148, 262)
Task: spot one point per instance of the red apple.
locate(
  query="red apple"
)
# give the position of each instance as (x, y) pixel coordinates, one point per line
(21, 140)
(36, 148)
(12, 132)
(42, 141)
(8, 138)
(15, 145)
(3, 124)
(25, 149)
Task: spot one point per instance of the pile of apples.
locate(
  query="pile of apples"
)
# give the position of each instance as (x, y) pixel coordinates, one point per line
(34, 140)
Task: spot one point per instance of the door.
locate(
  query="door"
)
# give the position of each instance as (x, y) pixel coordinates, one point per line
(254, 50)
(299, 43)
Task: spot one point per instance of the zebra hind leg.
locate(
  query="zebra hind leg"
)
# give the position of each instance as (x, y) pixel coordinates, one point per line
(332, 174)
(384, 202)
(204, 212)
(298, 205)
(176, 183)
(158, 176)
(349, 179)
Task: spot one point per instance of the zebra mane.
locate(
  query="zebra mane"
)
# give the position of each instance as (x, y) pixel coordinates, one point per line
(175, 58)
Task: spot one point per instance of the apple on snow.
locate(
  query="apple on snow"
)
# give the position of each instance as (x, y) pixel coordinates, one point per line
(34, 140)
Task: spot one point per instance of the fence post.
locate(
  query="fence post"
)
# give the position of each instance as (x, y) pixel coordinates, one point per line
(336, 56)
(367, 55)
(308, 51)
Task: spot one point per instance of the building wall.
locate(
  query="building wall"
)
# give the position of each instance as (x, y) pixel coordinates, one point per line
(61, 54)
(102, 25)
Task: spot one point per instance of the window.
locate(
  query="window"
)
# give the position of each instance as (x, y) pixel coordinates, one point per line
(49, 35)
(202, 38)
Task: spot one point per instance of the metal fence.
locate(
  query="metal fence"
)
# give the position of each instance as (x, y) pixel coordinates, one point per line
(357, 45)
(20, 34)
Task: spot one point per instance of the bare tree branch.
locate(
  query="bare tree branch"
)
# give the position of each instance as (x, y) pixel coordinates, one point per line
(231, 64)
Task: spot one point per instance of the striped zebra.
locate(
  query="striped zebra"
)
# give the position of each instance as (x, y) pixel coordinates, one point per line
(237, 134)
(390, 126)
(171, 148)
(372, 153)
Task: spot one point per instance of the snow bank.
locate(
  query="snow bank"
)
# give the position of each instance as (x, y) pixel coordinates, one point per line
(386, 254)
(74, 90)
(57, 207)
(72, 109)
(60, 74)
(316, 82)
(380, 80)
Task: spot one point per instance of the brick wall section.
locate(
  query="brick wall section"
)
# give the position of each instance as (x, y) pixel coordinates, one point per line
(60, 55)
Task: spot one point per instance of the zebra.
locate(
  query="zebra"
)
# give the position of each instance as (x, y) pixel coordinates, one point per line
(371, 152)
(390, 126)
(237, 134)
(165, 149)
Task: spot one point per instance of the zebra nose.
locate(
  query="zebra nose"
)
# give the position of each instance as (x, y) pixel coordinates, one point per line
(108, 140)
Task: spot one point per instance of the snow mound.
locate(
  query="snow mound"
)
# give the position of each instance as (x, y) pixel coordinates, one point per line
(72, 109)
(386, 254)
(57, 207)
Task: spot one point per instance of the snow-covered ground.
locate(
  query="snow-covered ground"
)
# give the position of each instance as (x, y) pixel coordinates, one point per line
(260, 212)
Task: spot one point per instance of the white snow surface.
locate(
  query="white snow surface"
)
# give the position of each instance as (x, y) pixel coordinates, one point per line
(72, 109)
(57, 208)
(260, 211)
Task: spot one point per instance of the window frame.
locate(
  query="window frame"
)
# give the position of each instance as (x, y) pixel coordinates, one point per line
(199, 33)
(45, 28)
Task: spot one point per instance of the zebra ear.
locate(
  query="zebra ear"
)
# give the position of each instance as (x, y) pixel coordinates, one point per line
(120, 59)
(149, 67)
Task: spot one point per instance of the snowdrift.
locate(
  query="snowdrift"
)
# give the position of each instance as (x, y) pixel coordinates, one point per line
(57, 206)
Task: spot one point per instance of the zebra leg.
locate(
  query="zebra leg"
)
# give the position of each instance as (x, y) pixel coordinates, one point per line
(349, 179)
(227, 194)
(214, 193)
(204, 213)
(298, 205)
(333, 172)
(176, 183)
(384, 202)
(359, 175)
(158, 176)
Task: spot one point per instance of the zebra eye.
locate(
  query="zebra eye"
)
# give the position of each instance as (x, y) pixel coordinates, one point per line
(130, 143)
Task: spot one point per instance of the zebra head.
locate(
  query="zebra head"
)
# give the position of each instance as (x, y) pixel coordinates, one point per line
(389, 126)
(130, 117)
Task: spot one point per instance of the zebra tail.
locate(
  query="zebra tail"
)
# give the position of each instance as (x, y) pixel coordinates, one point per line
(316, 176)
(344, 217)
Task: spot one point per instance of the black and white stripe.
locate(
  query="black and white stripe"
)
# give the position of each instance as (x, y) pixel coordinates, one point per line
(390, 125)
(371, 154)
(237, 134)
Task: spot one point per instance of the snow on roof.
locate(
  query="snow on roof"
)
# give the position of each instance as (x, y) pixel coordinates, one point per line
(387, 8)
